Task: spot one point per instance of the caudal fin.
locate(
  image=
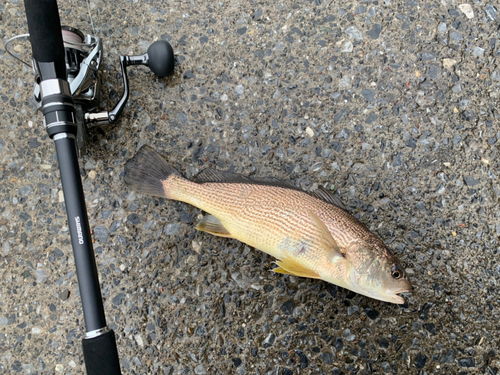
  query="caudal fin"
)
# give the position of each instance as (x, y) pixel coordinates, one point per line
(147, 170)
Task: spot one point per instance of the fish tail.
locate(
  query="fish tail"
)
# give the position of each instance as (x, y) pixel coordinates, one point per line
(147, 171)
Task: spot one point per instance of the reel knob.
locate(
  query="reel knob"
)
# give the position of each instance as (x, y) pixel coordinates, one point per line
(161, 58)
(161, 61)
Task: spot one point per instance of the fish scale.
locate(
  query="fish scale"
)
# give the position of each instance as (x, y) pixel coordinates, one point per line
(310, 234)
(262, 209)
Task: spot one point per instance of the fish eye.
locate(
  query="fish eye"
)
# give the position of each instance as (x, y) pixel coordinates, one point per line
(397, 272)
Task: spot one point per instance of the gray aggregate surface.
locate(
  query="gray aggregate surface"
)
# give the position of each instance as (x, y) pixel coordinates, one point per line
(392, 104)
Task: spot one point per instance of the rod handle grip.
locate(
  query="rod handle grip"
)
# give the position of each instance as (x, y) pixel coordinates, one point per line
(101, 354)
(44, 26)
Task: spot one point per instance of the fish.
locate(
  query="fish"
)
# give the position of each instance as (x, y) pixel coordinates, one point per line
(310, 234)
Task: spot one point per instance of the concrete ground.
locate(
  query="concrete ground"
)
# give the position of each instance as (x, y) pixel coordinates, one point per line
(394, 104)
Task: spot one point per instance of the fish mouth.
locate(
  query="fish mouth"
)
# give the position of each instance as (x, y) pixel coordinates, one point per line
(389, 296)
(395, 297)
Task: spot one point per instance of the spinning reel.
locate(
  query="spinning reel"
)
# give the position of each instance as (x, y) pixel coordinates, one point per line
(83, 55)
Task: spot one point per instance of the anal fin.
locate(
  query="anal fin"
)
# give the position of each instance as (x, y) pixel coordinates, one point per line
(212, 225)
(289, 266)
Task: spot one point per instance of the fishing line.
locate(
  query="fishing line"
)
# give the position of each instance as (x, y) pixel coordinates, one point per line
(72, 38)
(90, 16)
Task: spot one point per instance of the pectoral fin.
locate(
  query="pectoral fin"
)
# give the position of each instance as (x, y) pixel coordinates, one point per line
(212, 225)
(289, 266)
(330, 244)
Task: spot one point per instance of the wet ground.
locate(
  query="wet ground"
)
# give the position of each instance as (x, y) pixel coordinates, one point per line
(393, 104)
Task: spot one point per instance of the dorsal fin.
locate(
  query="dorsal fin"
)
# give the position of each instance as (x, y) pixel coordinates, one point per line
(210, 175)
(328, 196)
(213, 175)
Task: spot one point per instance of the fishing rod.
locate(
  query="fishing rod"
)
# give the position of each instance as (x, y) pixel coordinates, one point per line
(67, 66)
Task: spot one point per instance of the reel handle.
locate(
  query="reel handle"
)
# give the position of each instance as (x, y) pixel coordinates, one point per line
(159, 58)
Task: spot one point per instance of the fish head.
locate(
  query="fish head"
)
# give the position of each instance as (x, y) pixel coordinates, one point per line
(376, 273)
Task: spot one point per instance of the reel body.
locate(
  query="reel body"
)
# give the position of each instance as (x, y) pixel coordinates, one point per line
(83, 63)
(83, 55)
